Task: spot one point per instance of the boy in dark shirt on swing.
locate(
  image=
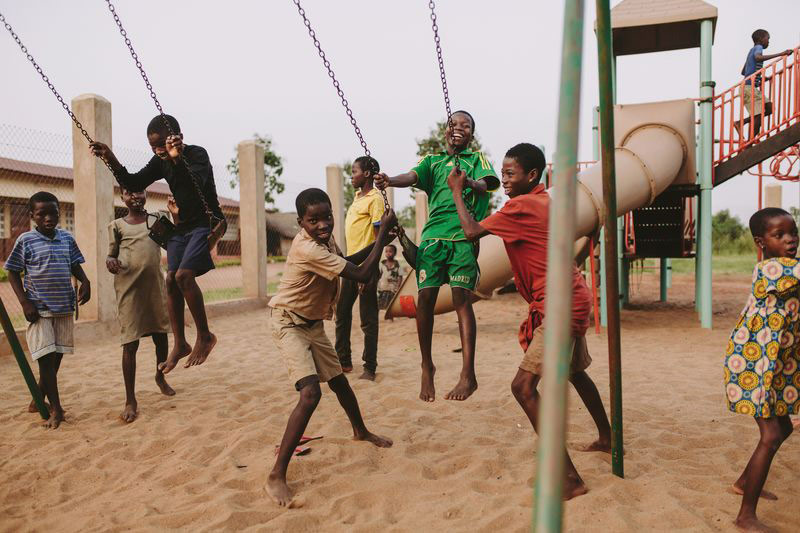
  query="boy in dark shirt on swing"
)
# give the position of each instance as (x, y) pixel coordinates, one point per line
(188, 250)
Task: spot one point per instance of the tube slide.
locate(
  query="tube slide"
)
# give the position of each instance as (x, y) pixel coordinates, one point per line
(648, 159)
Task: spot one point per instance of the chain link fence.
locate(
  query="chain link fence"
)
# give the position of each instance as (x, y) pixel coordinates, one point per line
(32, 161)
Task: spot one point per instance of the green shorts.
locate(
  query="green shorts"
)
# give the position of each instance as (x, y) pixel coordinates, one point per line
(441, 262)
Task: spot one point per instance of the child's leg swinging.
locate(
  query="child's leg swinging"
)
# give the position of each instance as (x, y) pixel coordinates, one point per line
(426, 300)
(591, 399)
(175, 303)
(48, 375)
(194, 301)
(524, 389)
(467, 383)
(129, 375)
(347, 399)
(773, 431)
(310, 395)
(162, 346)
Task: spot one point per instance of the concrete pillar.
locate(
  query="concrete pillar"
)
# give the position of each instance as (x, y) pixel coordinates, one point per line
(390, 196)
(335, 189)
(421, 213)
(252, 219)
(94, 203)
(773, 196)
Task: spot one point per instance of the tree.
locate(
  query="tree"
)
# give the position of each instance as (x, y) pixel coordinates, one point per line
(273, 169)
(349, 191)
(729, 235)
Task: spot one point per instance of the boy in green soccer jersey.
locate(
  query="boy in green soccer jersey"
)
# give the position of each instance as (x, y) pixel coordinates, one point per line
(445, 256)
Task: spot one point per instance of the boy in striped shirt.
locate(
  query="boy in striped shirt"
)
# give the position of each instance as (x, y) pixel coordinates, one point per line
(49, 257)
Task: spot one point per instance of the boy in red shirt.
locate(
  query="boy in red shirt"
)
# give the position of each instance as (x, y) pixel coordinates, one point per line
(522, 223)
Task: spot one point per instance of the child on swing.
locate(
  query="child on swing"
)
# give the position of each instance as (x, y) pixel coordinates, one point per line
(188, 250)
(762, 365)
(48, 256)
(306, 296)
(445, 256)
(523, 223)
(135, 260)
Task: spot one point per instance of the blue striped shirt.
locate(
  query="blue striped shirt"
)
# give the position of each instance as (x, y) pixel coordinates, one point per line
(47, 265)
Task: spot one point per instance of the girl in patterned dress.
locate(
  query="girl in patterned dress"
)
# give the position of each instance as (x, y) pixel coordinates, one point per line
(761, 363)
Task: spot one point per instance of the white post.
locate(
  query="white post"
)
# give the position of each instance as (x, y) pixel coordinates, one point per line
(335, 189)
(252, 219)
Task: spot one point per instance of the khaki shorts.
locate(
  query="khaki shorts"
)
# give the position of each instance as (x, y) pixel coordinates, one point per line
(50, 334)
(305, 348)
(755, 97)
(533, 361)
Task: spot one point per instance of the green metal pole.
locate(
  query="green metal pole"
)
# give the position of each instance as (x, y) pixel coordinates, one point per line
(697, 225)
(706, 186)
(558, 306)
(24, 367)
(669, 273)
(663, 279)
(605, 67)
(623, 265)
(596, 157)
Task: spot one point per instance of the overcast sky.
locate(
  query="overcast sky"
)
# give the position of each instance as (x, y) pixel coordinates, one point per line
(229, 69)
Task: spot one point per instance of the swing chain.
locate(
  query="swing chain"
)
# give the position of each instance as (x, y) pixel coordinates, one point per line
(326, 62)
(50, 85)
(442, 76)
(209, 213)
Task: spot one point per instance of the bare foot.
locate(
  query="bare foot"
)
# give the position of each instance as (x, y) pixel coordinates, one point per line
(752, 524)
(202, 347)
(369, 375)
(163, 386)
(130, 412)
(767, 495)
(279, 491)
(427, 392)
(377, 440)
(33, 409)
(463, 389)
(56, 417)
(347, 368)
(179, 351)
(600, 445)
(574, 487)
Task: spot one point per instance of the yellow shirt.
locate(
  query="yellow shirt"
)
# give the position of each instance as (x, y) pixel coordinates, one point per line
(310, 282)
(363, 216)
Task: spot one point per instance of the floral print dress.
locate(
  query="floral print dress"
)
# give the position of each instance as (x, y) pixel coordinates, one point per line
(761, 363)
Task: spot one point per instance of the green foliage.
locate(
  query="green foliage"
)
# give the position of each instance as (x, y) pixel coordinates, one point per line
(729, 235)
(407, 217)
(795, 212)
(349, 191)
(273, 170)
(3, 275)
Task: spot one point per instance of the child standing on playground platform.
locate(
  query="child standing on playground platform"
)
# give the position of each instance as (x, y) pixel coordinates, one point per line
(188, 250)
(48, 257)
(390, 277)
(445, 256)
(135, 260)
(362, 223)
(762, 365)
(523, 225)
(306, 296)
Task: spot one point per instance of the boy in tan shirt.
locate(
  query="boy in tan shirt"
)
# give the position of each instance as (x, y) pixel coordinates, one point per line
(306, 296)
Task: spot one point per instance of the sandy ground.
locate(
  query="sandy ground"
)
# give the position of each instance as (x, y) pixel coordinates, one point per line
(198, 461)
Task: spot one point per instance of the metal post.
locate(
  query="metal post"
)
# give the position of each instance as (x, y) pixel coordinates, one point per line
(663, 278)
(669, 273)
(623, 266)
(596, 157)
(706, 95)
(604, 64)
(24, 367)
(558, 306)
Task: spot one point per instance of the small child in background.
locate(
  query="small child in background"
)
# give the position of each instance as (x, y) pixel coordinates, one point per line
(135, 260)
(49, 257)
(306, 297)
(390, 277)
(762, 365)
(361, 227)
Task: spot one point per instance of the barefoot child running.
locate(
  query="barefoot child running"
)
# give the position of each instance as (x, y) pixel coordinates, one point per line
(135, 260)
(762, 366)
(188, 252)
(522, 223)
(48, 257)
(445, 256)
(306, 296)
(361, 227)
